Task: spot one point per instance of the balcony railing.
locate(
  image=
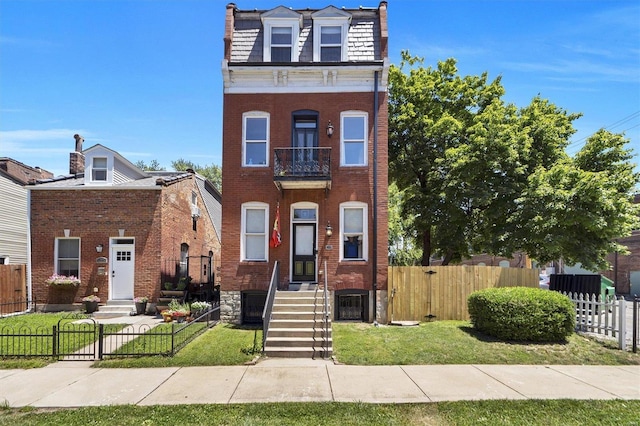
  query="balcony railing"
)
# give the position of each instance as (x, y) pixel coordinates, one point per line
(302, 167)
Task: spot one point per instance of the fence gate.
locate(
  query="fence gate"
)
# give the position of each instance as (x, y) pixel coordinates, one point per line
(76, 339)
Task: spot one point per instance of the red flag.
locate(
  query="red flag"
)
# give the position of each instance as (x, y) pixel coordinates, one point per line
(276, 239)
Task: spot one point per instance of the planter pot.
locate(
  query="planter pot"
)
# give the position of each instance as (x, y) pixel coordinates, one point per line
(91, 307)
(141, 308)
(180, 318)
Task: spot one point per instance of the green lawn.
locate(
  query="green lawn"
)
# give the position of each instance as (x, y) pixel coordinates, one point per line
(526, 413)
(455, 342)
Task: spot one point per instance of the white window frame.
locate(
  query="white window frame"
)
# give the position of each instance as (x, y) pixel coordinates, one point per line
(343, 23)
(95, 170)
(268, 24)
(254, 205)
(57, 258)
(365, 234)
(245, 117)
(343, 140)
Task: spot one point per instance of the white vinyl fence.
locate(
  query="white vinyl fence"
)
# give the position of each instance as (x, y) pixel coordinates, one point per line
(604, 316)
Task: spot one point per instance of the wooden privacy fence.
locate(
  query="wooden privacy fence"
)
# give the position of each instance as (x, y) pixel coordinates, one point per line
(419, 293)
(13, 288)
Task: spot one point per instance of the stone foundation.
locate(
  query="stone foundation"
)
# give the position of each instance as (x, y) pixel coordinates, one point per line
(230, 309)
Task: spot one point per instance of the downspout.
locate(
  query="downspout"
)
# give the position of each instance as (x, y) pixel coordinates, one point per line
(375, 198)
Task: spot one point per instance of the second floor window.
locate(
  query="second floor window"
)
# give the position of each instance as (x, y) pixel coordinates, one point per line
(99, 169)
(353, 139)
(255, 139)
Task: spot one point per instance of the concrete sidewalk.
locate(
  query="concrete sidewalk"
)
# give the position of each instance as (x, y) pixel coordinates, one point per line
(75, 384)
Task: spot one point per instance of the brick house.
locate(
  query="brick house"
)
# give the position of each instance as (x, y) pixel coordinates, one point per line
(121, 230)
(305, 139)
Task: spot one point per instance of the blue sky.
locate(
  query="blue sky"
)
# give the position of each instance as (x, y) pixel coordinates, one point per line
(143, 77)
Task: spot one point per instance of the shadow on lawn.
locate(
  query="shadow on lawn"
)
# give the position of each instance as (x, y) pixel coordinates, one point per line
(478, 335)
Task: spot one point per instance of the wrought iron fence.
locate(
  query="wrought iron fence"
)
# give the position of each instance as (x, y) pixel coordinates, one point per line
(79, 337)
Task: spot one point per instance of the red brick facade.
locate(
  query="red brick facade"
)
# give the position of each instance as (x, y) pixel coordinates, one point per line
(348, 184)
(159, 220)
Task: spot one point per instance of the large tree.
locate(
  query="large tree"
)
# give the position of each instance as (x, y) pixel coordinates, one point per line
(469, 167)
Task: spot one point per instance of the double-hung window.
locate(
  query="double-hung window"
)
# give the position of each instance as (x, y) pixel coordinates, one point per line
(353, 227)
(254, 238)
(255, 139)
(67, 256)
(281, 34)
(281, 44)
(99, 169)
(353, 140)
(330, 43)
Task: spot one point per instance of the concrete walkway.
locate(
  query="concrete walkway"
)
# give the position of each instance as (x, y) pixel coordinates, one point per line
(75, 384)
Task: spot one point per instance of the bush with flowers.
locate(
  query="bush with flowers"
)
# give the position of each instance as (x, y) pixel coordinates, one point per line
(141, 299)
(91, 298)
(63, 280)
(200, 306)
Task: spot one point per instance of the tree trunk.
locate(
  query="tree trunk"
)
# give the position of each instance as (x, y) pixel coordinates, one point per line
(426, 247)
(447, 258)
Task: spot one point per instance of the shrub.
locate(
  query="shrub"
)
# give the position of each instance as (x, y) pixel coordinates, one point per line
(522, 314)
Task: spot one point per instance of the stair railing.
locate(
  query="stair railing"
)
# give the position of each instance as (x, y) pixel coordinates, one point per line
(268, 305)
(326, 313)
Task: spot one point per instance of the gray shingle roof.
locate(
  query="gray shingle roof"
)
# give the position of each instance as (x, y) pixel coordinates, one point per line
(363, 42)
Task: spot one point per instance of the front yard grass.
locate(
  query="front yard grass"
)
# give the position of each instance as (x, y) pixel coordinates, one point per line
(224, 344)
(529, 412)
(456, 342)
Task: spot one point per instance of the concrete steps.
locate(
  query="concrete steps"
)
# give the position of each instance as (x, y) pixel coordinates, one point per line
(296, 328)
(115, 308)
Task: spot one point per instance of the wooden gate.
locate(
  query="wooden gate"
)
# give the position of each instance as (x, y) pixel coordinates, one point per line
(423, 293)
(13, 288)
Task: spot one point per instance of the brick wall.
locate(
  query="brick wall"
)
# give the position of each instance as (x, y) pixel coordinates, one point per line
(242, 185)
(159, 220)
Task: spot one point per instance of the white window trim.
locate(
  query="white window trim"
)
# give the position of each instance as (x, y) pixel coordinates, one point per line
(243, 226)
(294, 24)
(56, 258)
(341, 22)
(255, 114)
(88, 175)
(365, 228)
(344, 115)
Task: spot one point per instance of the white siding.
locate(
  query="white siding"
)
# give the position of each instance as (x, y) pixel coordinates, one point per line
(13, 221)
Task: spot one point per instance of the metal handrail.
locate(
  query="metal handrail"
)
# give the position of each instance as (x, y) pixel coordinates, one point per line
(268, 305)
(326, 313)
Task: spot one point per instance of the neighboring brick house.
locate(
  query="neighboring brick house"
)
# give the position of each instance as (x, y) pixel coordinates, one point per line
(13, 215)
(625, 269)
(305, 134)
(120, 229)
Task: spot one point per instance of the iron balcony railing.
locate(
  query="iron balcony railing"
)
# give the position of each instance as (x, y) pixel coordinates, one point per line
(302, 163)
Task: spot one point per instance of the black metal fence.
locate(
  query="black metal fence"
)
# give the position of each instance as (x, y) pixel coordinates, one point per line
(79, 337)
(9, 307)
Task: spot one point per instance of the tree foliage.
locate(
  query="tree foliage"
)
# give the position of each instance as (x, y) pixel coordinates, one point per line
(212, 172)
(153, 165)
(476, 174)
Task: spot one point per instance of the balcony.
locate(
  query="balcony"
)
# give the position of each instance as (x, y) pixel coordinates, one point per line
(302, 168)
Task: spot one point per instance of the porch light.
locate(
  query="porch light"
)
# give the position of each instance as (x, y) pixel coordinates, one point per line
(329, 129)
(99, 248)
(329, 230)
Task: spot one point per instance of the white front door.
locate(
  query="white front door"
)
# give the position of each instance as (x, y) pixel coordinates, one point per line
(122, 268)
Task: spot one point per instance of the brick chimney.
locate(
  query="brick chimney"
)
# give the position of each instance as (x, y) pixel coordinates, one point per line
(76, 159)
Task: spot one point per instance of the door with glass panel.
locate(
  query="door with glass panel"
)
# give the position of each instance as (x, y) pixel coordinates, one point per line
(304, 245)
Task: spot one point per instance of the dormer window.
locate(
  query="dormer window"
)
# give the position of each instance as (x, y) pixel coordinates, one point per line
(99, 169)
(330, 43)
(281, 31)
(330, 31)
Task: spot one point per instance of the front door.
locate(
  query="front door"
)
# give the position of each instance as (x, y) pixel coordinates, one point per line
(122, 268)
(304, 252)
